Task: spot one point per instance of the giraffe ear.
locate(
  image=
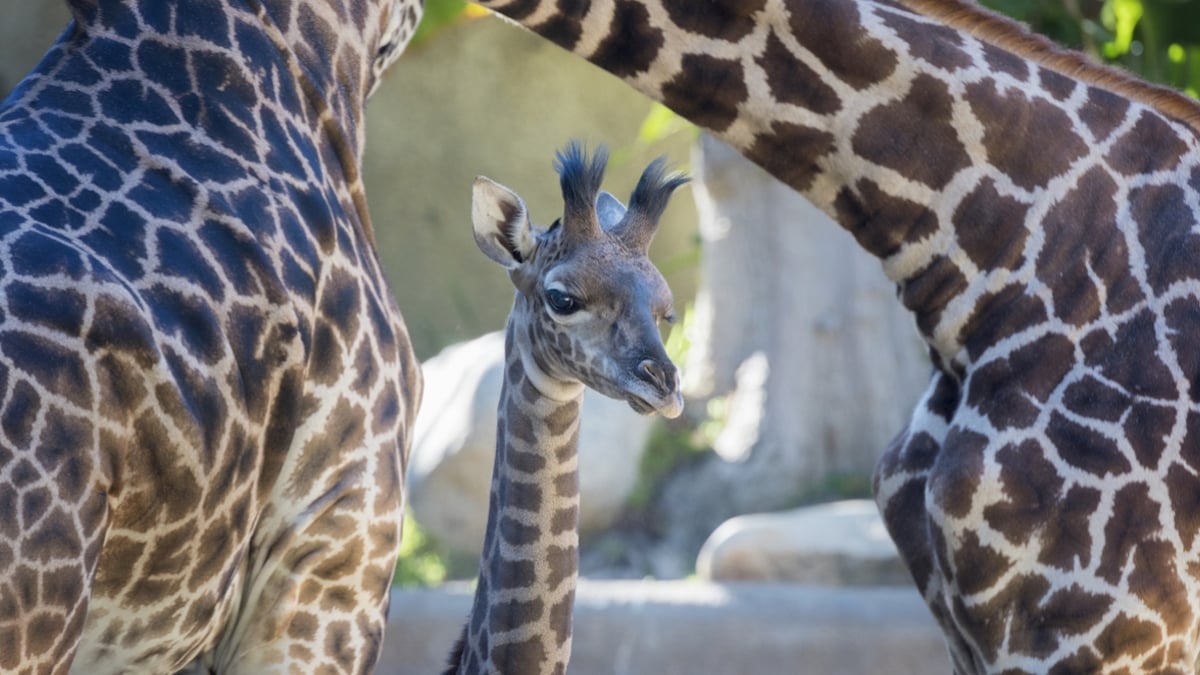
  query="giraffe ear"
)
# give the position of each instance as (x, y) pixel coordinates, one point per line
(609, 210)
(501, 221)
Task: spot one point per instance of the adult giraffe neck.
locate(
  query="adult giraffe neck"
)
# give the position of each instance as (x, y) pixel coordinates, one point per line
(521, 618)
(940, 136)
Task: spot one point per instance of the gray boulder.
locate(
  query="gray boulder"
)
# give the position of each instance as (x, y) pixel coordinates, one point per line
(450, 471)
(836, 544)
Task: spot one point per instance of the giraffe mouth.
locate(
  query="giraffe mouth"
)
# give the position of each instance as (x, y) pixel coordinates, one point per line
(670, 407)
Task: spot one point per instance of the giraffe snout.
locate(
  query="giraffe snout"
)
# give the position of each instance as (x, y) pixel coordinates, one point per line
(663, 377)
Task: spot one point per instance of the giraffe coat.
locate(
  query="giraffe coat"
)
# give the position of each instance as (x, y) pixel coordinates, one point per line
(205, 386)
(1039, 217)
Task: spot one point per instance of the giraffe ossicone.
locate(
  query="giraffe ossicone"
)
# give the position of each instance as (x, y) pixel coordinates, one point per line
(1039, 215)
(586, 310)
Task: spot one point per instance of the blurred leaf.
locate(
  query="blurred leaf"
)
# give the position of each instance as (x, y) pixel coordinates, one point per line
(442, 13)
(420, 562)
(1121, 17)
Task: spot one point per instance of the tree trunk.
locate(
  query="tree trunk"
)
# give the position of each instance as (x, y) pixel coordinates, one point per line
(801, 331)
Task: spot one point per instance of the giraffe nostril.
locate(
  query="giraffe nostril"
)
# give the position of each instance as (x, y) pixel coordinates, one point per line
(657, 375)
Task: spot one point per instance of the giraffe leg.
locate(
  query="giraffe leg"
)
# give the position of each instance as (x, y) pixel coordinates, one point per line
(316, 592)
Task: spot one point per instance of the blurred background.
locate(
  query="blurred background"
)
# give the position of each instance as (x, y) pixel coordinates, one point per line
(799, 365)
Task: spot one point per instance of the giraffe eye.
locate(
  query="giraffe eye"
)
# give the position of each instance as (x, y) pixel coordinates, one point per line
(560, 302)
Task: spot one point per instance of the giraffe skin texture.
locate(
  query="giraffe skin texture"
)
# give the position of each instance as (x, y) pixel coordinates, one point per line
(1038, 214)
(206, 389)
(585, 313)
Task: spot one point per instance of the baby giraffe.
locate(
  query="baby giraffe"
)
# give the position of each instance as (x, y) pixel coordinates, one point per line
(588, 304)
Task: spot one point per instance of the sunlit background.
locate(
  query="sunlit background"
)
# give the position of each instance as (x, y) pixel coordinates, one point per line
(799, 364)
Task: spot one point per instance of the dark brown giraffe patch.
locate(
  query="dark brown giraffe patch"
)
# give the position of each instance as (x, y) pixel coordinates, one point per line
(707, 90)
(1126, 529)
(1129, 156)
(929, 150)
(927, 293)
(1085, 448)
(632, 42)
(880, 222)
(991, 227)
(793, 81)
(1032, 489)
(849, 52)
(1030, 140)
(1010, 391)
(956, 473)
(1103, 111)
(792, 152)
(935, 44)
(1165, 223)
(724, 20)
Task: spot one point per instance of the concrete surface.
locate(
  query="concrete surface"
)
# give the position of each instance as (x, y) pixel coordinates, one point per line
(697, 628)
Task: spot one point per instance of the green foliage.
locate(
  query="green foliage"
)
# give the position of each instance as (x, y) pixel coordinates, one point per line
(1158, 40)
(441, 13)
(668, 447)
(422, 562)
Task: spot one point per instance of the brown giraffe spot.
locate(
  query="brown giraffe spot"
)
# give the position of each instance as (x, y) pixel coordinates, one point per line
(1131, 156)
(516, 533)
(955, 476)
(1056, 84)
(914, 135)
(1004, 61)
(505, 615)
(1070, 611)
(729, 21)
(1164, 228)
(10, 647)
(1089, 397)
(792, 152)
(55, 367)
(34, 503)
(562, 418)
(340, 646)
(978, 566)
(905, 517)
(1103, 112)
(523, 462)
(1083, 240)
(1126, 636)
(513, 572)
(563, 563)
(1147, 428)
(1155, 579)
(880, 222)
(214, 550)
(707, 90)
(990, 228)
(564, 520)
(632, 42)
(1132, 522)
(1005, 389)
(567, 485)
(988, 624)
(929, 291)
(1031, 492)
(523, 496)
(565, 27)
(526, 656)
(1031, 141)
(54, 538)
(42, 631)
(847, 50)
(793, 81)
(19, 414)
(998, 315)
(560, 617)
(934, 44)
(1086, 448)
(1183, 488)
(946, 397)
(1130, 359)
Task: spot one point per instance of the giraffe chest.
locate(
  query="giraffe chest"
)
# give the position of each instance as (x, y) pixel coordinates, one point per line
(1046, 507)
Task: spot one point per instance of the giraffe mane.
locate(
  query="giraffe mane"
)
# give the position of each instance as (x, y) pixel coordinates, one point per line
(1013, 36)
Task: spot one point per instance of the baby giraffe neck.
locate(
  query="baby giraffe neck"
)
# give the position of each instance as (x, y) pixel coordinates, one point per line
(521, 619)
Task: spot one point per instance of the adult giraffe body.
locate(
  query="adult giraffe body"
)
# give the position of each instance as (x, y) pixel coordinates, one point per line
(1037, 214)
(205, 387)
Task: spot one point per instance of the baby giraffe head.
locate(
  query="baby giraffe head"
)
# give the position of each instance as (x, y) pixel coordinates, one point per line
(589, 301)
